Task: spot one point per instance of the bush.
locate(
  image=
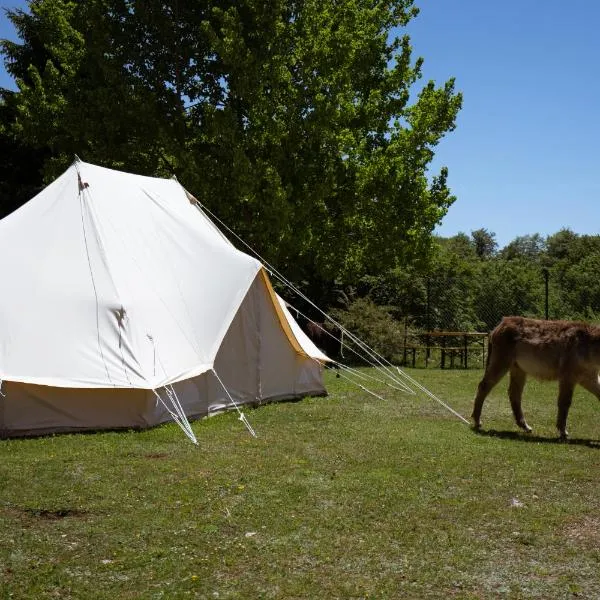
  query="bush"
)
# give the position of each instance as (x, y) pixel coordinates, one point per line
(374, 326)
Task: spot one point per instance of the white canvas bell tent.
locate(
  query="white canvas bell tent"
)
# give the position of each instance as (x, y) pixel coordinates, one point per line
(122, 305)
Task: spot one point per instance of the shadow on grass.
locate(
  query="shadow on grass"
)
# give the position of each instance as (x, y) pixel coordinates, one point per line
(518, 436)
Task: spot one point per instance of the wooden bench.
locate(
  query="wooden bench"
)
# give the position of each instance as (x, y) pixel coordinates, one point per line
(469, 341)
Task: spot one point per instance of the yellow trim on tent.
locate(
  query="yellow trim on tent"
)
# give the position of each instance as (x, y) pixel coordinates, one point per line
(282, 320)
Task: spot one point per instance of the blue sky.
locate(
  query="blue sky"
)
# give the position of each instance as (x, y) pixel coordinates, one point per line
(524, 156)
(7, 31)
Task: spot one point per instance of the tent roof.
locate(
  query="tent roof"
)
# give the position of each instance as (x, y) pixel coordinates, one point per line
(114, 280)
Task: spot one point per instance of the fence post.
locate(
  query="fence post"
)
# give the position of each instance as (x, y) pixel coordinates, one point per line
(427, 320)
(546, 274)
(405, 337)
(485, 340)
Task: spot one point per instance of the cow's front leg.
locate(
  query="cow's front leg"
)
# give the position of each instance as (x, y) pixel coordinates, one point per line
(495, 370)
(565, 397)
(515, 393)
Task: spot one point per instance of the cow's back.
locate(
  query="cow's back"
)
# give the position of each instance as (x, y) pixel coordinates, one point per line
(543, 349)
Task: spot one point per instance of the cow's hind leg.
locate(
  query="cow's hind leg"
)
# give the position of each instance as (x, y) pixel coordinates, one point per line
(565, 397)
(495, 370)
(515, 393)
(591, 384)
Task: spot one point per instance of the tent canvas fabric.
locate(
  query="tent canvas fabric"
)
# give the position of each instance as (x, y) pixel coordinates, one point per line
(115, 286)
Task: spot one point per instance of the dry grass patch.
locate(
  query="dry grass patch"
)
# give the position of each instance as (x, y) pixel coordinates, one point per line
(584, 532)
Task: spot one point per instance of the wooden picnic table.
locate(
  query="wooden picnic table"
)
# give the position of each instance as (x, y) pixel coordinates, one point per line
(463, 343)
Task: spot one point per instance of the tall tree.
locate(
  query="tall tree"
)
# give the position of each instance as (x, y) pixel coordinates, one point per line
(484, 243)
(291, 120)
(525, 247)
(21, 164)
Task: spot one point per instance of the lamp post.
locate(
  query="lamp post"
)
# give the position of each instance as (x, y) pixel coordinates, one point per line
(546, 275)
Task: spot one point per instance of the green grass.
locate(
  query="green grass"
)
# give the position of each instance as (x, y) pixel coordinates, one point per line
(340, 497)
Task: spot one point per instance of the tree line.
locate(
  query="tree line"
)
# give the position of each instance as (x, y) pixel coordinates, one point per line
(469, 284)
(533, 275)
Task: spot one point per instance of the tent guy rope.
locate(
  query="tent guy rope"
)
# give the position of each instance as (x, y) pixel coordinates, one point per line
(385, 365)
(432, 396)
(273, 271)
(178, 414)
(404, 388)
(242, 416)
(362, 375)
(362, 387)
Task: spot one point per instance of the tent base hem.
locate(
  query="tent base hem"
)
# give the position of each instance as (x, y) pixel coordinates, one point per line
(147, 413)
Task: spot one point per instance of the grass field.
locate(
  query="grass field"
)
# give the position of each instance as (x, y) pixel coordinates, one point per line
(347, 496)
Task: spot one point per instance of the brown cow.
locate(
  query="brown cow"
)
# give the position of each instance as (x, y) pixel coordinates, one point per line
(566, 351)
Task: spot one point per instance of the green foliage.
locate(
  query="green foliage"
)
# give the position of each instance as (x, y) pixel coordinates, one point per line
(484, 243)
(20, 168)
(374, 326)
(563, 245)
(293, 121)
(465, 289)
(507, 288)
(573, 263)
(451, 286)
(401, 291)
(526, 247)
(478, 290)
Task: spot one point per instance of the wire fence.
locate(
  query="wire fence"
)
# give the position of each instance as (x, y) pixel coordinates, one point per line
(454, 306)
(449, 326)
(443, 322)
